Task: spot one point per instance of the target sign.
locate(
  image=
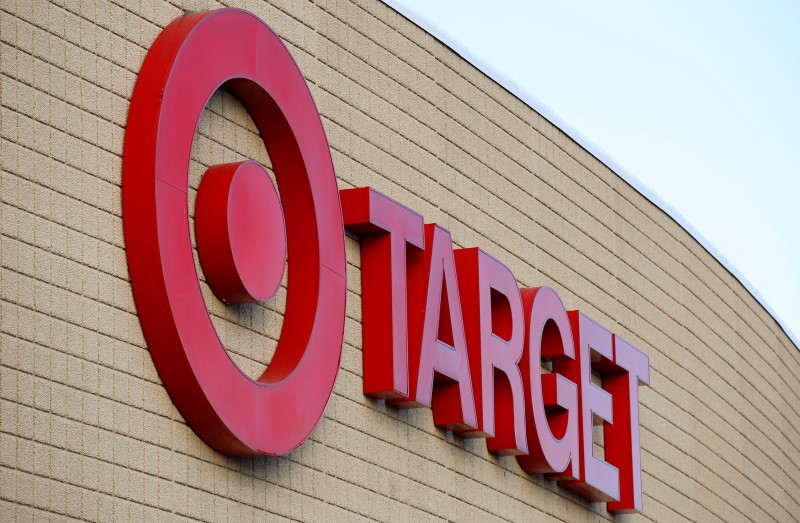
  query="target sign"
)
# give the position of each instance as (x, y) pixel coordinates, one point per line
(244, 231)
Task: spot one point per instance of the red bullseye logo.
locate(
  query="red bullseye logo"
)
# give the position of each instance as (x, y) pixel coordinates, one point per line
(244, 233)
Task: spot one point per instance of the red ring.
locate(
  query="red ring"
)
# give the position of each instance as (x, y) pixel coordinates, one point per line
(193, 57)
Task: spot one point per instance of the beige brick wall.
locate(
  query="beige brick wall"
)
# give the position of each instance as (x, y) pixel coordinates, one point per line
(88, 431)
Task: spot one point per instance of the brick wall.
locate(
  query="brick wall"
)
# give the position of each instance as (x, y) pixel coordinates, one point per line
(89, 432)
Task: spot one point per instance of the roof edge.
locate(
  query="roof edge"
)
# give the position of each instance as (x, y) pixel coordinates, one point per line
(530, 100)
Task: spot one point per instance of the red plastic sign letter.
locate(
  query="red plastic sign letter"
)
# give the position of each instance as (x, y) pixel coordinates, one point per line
(598, 480)
(493, 324)
(552, 409)
(622, 437)
(438, 361)
(387, 230)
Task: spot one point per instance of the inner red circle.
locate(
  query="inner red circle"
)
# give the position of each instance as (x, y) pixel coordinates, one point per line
(241, 236)
(257, 231)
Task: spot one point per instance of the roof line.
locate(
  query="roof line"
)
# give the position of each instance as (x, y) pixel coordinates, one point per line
(529, 99)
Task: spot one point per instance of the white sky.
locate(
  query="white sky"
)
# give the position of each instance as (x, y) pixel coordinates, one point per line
(698, 100)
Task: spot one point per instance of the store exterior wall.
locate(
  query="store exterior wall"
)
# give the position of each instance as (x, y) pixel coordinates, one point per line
(90, 433)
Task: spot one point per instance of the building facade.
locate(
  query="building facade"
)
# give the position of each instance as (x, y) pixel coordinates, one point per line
(89, 431)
